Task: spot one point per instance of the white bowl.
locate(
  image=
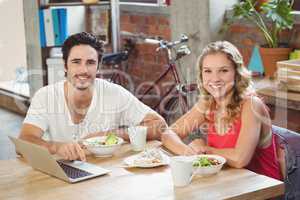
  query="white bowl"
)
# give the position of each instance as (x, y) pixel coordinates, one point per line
(209, 170)
(101, 150)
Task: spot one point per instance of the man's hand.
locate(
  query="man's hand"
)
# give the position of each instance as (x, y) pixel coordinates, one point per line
(120, 132)
(96, 134)
(70, 151)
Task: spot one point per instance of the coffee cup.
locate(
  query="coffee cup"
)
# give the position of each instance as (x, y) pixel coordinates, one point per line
(181, 170)
(138, 137)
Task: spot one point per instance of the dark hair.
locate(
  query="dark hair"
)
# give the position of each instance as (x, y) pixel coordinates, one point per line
(82, 38)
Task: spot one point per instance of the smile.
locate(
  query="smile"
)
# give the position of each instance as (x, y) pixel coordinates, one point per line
(82, 77)
(215, 86)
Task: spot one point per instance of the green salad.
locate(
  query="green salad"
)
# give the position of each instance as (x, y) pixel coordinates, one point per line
(205, 162)
(110, 139)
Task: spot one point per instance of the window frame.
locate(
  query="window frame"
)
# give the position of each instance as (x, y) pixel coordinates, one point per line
(143, 2)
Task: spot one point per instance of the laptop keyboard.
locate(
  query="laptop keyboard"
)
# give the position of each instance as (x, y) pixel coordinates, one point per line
(73, 172)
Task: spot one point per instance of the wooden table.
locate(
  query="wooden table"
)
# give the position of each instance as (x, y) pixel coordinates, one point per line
(20, 181)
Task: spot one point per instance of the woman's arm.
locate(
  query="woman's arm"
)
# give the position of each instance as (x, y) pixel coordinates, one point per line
(240, 156)
(171, 138)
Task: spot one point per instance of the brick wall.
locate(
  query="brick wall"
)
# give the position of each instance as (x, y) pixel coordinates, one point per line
(145, 64)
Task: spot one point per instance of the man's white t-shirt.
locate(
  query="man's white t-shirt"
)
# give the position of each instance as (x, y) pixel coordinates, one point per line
(112, 106)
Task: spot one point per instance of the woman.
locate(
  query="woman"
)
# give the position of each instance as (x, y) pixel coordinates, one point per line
(236, 121)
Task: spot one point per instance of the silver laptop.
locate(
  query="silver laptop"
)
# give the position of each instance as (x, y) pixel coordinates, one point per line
(71, 171)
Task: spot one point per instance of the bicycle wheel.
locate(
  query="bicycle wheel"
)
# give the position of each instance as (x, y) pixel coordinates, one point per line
(173, 110)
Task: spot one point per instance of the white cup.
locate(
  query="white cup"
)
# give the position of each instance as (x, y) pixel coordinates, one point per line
(137, 137)
(182, 170)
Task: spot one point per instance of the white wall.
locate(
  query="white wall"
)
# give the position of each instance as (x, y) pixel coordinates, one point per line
(216, 14)
(190, 17)
(12, 38)
(12, 35)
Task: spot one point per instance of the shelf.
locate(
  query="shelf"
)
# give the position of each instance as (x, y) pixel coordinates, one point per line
(101, 3)
(49, 47)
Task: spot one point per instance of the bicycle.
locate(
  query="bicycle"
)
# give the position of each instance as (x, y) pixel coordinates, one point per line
(173, 103)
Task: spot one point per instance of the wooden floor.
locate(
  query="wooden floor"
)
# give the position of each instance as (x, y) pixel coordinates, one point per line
(10, 124)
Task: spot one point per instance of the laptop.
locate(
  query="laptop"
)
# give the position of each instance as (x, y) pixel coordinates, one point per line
(70, 171)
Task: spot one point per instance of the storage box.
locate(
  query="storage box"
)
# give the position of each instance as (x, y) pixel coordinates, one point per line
(55, 67)
(288, 73)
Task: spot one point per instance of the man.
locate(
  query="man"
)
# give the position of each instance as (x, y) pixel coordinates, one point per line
(83, 106)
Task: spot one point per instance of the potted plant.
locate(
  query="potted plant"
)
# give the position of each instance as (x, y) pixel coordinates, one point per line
(271, 18)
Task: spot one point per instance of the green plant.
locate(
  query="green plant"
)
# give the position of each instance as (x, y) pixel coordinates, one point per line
(271, 18)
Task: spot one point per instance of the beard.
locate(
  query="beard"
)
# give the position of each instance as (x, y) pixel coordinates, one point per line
(82, 82)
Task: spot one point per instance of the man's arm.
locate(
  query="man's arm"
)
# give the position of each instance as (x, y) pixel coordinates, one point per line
(34, 134)
(155, 126)
(69, 151)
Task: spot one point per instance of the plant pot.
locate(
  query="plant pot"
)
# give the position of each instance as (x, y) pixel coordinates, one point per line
(270, 57)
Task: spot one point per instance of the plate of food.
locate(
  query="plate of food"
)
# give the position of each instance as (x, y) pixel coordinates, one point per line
(103, 146)
(147, 159)
(207, 164)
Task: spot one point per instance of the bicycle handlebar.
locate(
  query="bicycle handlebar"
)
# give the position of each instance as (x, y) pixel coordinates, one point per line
(152, 41)
(183, 39)
(163, 44)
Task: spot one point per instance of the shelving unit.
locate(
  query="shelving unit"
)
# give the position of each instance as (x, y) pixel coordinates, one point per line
(101, 3)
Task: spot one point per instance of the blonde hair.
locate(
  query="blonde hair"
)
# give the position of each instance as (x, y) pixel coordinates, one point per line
(242, 81)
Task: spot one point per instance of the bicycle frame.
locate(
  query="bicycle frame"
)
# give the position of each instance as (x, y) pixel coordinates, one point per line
(117, 73)
(114, 74)
(176, 89)
(170, 68)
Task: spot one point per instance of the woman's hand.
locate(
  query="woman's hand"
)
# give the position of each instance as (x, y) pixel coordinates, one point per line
(188, 151)
(199, 146)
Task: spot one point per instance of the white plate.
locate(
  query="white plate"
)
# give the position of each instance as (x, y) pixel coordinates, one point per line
(129, 162)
